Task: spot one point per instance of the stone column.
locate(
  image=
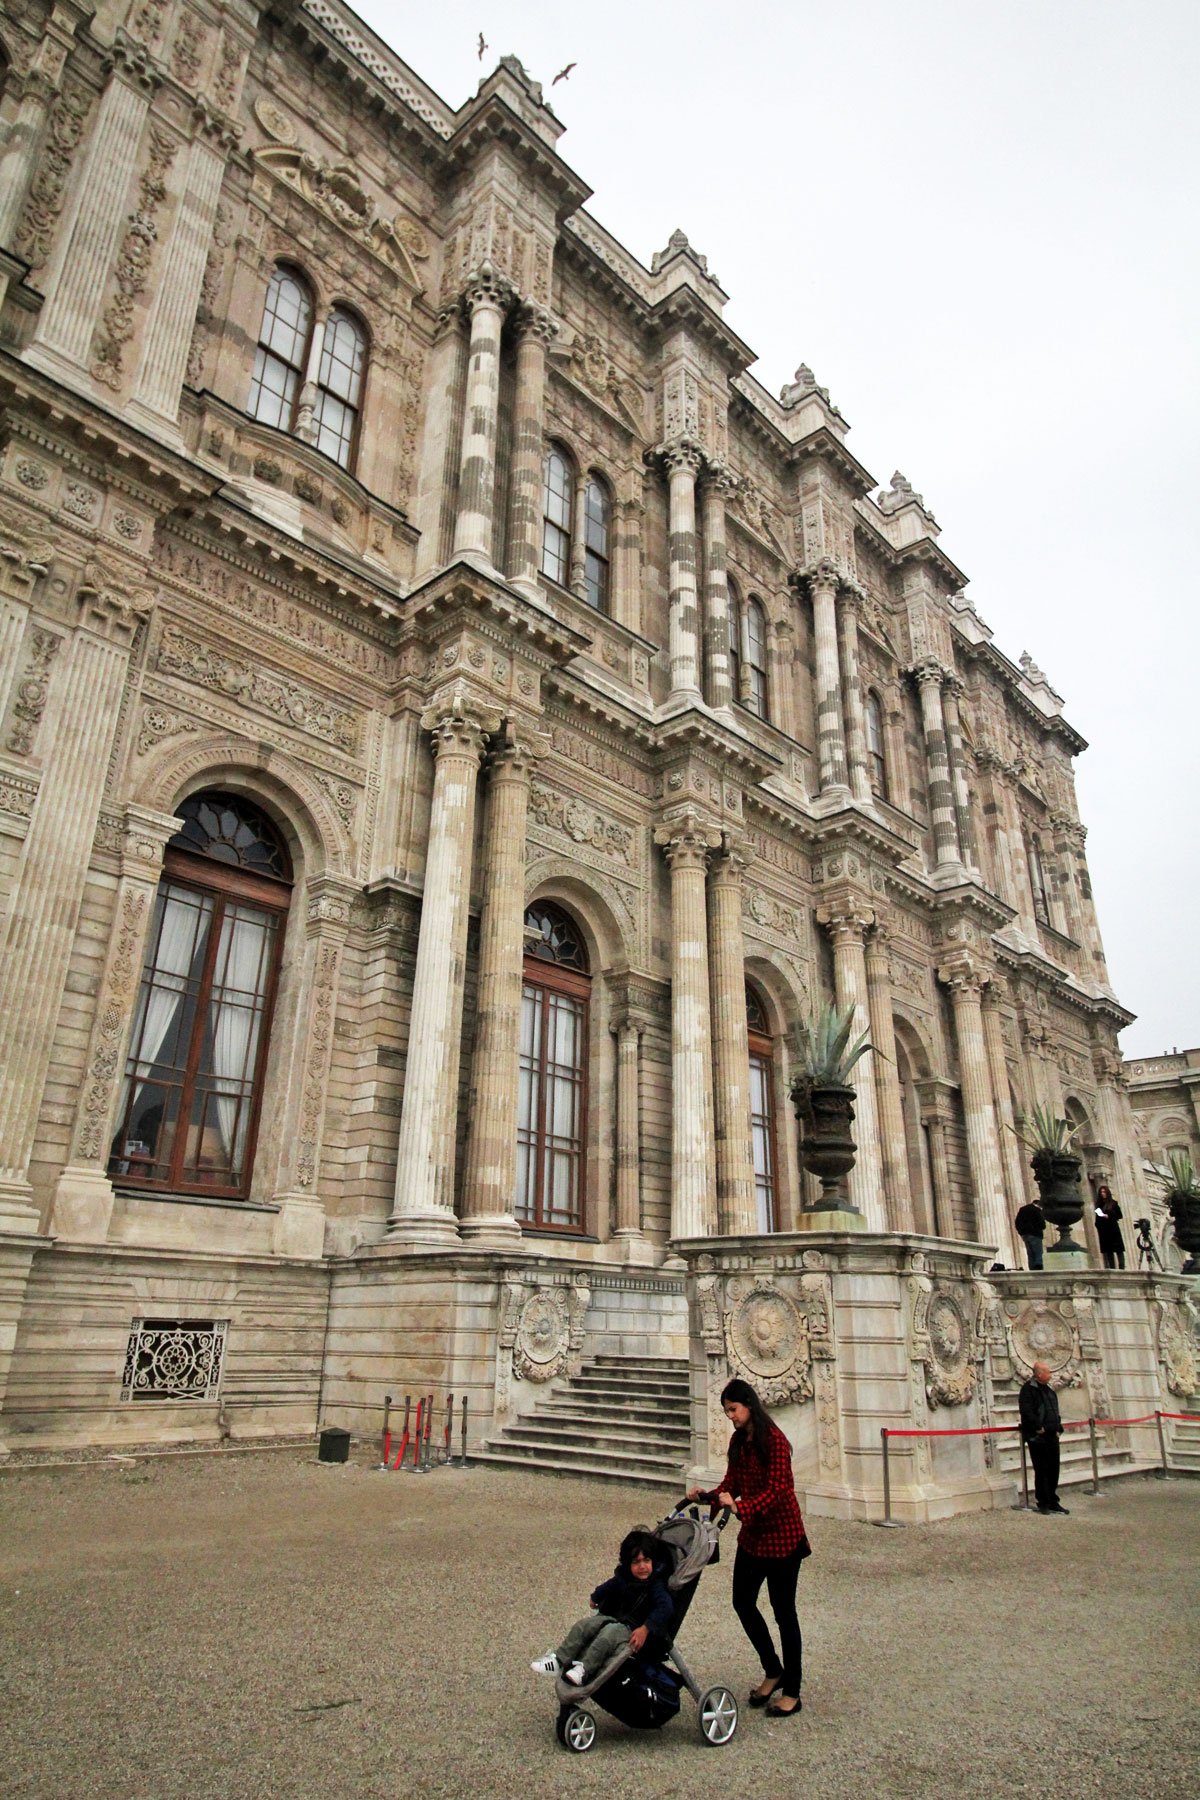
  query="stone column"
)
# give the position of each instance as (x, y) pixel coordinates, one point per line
(983, 1147)
(535, 331)
(1093, 941)
(846, 923)
(487, 297)
(686, 842)
(83, 1199)
(893, 1145)
(434, 513)
(627, 1030)
(783, 672)
(831, 744)
(95, 215)
(856, 718)
(952, 690)
(939, 1174)
(35, 92)
(716, 489)
(929, 676)
(44, 906)
(736, 1214)
(424, 1207)
(682, 460)
(299, 1228)
(1010, 1145)
(491, 1169)
(177, 280)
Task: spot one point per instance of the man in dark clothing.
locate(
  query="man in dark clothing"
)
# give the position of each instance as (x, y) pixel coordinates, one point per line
(1031, 1229)
(1041, 1427)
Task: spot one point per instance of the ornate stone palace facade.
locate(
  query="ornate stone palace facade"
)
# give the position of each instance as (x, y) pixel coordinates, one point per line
(453, 724)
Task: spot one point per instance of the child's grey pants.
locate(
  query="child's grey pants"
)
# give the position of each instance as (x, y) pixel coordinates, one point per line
(592, 1641)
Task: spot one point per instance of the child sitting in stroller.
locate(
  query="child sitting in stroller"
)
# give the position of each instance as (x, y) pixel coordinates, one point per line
(630, 1606)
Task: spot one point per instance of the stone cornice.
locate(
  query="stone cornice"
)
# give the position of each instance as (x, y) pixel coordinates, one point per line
(461, 590)
(824, 446)
(694, 731)
(496, 123)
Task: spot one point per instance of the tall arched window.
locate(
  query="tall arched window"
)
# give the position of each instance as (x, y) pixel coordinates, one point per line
(762, 1110)
(282, 356)
(735, 642)
(754, 651)
(1037, 880)
(556, 517)
(193, 1080)
(552, 1101)
(876, 766)
(596, 512)
(339, 385)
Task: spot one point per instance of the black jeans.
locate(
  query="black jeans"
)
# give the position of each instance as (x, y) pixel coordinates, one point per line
(1043, 1454)
(779, 1573)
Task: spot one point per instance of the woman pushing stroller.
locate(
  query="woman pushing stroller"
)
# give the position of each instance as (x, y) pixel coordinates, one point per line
(630, 1606)
(772, 1543)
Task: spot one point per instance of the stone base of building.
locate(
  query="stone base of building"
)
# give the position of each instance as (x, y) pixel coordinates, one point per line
(842, 1333)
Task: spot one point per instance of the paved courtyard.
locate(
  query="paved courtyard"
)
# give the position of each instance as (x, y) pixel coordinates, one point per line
(266, 1627)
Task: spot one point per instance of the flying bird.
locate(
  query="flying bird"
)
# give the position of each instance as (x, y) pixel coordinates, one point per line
(562, 74)
(482, 46)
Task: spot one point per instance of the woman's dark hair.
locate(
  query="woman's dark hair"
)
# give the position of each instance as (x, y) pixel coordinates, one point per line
(638, 1542)
(1104, 1190)
(742, 1394)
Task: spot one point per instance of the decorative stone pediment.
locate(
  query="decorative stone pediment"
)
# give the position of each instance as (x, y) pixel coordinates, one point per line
(335, 190)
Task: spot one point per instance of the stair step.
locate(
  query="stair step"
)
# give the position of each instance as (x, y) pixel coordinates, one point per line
(590, 1471)
(569, 1411)
(638, 1461)
(611, 1442)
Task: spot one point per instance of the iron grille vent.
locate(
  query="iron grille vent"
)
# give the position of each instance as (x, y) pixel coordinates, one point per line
(174, 1359)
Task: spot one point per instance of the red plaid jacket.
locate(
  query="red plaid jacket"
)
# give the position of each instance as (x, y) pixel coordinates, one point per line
(766, 1496)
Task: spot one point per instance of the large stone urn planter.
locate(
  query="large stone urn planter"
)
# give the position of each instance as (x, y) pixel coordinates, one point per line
(1058, 1176)
(1185, 1214)
(827, 1150)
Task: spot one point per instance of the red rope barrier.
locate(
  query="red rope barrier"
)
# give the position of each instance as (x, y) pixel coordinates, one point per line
(1068, 1425)
(1193, 1416)
(967, 1431)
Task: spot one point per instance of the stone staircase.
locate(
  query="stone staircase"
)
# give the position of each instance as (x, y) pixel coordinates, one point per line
(1075, 1466)
(623, 1418)
(1184, 1451)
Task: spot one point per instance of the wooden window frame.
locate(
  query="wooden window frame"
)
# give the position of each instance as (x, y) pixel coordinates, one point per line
(876, 758)
(761, 1048)
(567, 531)
(301, 368)
(552, 978)
(205, 875)
(602, 558)
(352, 448)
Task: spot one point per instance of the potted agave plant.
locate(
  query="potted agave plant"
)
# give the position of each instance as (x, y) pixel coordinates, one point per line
(1181, 1190)
(824, 1100)
(1057, 1171)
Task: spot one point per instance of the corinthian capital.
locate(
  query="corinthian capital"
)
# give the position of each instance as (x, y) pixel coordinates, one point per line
(846, 921)
(822, 576)
(720, 481)
(686, 840)
(533, 321)
(516, 750)
(130, 59)
(486, 286)
(459, 724)
(928, 672)
(682, 453)
(964, 978)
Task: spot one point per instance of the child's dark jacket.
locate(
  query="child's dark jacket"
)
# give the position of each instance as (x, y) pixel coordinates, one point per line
(637, 1603)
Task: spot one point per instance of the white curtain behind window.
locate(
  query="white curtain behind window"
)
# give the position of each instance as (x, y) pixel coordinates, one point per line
(181, 938)
(235, 1012)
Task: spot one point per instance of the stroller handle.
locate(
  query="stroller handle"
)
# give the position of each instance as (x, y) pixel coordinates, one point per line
(724, 1514)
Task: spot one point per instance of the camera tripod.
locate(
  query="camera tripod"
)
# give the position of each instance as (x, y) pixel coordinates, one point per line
(1148, 1257)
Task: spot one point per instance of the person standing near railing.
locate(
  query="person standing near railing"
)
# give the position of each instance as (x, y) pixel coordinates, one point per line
(1031, 1229)
(1041, 1427)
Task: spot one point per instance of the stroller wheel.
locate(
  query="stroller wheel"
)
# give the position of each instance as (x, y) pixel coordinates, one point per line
(576, 1730)
(718, 1716)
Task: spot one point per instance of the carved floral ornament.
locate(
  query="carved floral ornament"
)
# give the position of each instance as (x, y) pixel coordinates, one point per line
(335, 190)
(945, 1341)
(541, 1327)
(767, 1332)
(1045, 1331)
(1177, 1350)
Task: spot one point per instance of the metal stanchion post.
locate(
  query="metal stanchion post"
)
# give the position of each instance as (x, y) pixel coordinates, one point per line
(1024, 1506)
(385, 1434)
(1095, 1460)
(1161, 1474)
(416, 1460)
(463, 1459)
(449, 1426)
(887, 1521)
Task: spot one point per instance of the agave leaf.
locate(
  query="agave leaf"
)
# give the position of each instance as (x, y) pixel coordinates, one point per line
(826, 1054)
(1179, 1176)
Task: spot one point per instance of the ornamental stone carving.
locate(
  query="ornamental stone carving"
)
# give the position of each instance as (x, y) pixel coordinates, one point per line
(768, 1339)
(582, 824)
(1044, 1331)
(944, 1341)
(541, 1331)
(240, 681)
(335, 190)
(1177, 1351)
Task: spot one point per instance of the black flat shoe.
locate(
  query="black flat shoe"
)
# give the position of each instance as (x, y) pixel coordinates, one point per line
(757, 1698)
(779, 1712)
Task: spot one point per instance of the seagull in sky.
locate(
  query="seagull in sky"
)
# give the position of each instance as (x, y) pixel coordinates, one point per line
(482, 45)
(562, 74)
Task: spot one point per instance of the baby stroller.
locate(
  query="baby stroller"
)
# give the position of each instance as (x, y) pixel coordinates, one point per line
(642, 1691)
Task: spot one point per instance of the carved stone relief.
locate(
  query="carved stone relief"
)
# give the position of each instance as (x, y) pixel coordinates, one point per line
(541, 1331)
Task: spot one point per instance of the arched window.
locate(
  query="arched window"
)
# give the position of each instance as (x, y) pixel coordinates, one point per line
(876, 767)
(339, 386)
(762, 1110)
(735, 642)
(193, 1080)
(596, 512)
(1037, 881)
(552, 1099)
(754, 652)
(282, 356)
(556, 517)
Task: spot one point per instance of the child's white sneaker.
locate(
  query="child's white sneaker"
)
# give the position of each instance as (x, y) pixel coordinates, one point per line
(547, 1665)
(576, 1675)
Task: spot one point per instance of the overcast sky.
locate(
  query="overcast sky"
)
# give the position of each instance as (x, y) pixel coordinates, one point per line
(977, 223)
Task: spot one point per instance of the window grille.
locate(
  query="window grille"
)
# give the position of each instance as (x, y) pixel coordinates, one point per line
(174, 1359)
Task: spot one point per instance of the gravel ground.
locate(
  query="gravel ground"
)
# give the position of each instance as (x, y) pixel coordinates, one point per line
(272, 1628)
